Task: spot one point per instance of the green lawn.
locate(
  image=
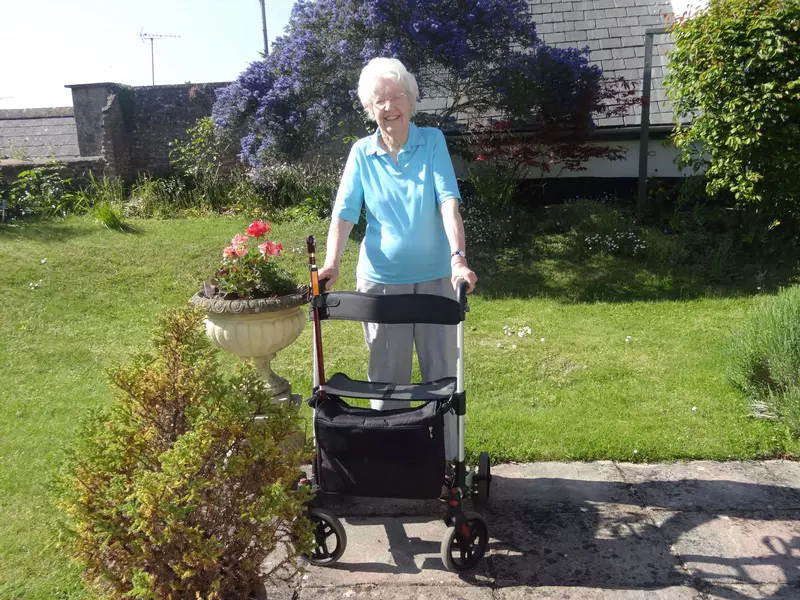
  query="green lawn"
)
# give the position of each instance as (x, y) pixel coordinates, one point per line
(583, 393)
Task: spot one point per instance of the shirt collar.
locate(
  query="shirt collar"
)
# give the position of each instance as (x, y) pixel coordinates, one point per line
(415, 138)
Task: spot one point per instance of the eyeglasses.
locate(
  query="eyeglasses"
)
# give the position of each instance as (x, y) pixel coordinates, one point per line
(382, 103)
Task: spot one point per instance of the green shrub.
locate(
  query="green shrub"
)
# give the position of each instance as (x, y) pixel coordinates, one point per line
(734, 76)
(109, 190)
(764, 357)
(43, 191)
(311, 186)
(176, 490)
(204, 156)
(492, 218)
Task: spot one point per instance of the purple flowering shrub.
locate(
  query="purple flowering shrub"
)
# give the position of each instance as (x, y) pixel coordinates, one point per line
(483, 55)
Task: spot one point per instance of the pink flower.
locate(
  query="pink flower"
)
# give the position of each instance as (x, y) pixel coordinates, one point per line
(234, 251)
(258, 228)
(239, 240)
(270, 248)
(481, 157)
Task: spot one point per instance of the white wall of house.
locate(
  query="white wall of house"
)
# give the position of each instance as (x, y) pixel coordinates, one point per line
(660, 162)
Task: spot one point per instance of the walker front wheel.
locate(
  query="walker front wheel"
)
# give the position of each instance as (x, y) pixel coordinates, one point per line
(464, 547)
(329, 537)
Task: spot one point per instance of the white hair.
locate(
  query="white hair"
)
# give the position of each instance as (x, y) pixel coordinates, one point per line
(385, 68)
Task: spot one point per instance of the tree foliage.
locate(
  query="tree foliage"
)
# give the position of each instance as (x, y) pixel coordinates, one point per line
(477, 58)
(735, 73)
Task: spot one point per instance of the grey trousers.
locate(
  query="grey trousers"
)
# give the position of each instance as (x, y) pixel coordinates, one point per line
(391, 349)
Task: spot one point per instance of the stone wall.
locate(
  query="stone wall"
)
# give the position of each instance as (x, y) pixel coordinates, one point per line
(132, 127)
(77, 169)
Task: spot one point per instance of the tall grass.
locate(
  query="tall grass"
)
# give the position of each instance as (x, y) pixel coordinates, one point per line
(765, 357)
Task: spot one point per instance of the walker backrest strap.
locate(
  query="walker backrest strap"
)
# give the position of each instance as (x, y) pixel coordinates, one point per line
(401, 308)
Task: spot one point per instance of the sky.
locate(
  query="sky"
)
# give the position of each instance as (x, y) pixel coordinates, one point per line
(47, 44)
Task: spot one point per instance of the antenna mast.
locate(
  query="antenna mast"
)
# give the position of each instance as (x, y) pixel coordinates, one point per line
(264, 27)
(150, 36)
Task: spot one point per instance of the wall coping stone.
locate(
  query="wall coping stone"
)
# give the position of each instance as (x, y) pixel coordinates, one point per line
(9, 114)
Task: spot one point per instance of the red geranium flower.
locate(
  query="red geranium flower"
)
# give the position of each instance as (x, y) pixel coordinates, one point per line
(258, 228)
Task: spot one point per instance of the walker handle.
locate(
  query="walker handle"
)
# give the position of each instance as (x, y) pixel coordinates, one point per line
(461, 294)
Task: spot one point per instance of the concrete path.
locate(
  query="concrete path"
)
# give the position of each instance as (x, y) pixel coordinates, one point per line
(589, 531)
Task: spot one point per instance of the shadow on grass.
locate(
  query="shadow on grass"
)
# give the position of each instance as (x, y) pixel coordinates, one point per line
(54, 231)
(554, 267)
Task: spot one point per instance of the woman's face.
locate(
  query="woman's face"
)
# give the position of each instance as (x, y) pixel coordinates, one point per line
(391, 106)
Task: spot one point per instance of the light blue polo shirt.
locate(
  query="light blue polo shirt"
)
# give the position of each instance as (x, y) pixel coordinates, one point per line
(405, 241)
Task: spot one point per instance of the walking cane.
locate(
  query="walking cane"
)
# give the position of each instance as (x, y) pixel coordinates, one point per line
(316, 292)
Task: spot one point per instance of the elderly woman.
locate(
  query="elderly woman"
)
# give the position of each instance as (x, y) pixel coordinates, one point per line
(414, 242)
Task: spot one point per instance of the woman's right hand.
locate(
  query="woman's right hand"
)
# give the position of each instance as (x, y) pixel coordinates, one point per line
(331, 273)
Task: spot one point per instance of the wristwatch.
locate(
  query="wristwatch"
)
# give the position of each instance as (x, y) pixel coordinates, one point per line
(460, 253)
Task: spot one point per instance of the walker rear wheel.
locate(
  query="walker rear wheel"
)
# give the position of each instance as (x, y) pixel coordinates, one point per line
(464, 547)
(329, 537)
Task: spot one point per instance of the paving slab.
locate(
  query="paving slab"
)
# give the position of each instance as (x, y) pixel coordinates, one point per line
(396, 593)
(590, 593)
(751, 592)
(560, 486)
(786, 473)
(721, 549)
(595, 549)
(709, 486)
(392, 550)
(589, 531)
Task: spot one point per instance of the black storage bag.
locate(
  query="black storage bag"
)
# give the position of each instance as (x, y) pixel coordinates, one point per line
(383, 454)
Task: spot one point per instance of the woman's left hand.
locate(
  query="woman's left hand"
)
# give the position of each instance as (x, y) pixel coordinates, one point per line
(462, 271)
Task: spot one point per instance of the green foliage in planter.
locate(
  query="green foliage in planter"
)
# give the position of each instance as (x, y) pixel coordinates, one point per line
(765, 358)
(176, 491)
(735, 72)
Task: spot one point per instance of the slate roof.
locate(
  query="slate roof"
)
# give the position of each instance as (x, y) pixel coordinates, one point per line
(614, 30)
(38, 133)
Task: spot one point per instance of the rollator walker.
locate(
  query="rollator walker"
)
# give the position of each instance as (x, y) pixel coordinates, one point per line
(397, 453)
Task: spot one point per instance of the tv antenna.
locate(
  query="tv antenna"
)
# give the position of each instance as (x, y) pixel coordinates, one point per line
(152, 37)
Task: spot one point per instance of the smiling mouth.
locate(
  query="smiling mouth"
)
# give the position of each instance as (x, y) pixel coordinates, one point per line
(391, 118)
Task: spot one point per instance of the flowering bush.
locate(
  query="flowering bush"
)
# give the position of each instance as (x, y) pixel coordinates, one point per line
(248, 268)
(483, 57)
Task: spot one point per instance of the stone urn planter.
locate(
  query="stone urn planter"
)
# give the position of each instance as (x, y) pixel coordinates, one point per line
(257, 329)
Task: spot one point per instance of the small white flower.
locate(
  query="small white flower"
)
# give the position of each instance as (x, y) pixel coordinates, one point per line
(694, 408)
(499, 345)
(542, 340)
(636, 452)
(514, 346)
(44, 260)
(520, 333)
